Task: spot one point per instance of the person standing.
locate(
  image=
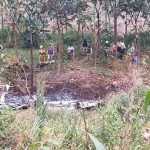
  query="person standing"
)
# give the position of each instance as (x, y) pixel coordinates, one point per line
(134, 54)
(123, 48)
(50, 53)
(106, 49)
(70, 52)
(85, 45)
(119, 49)
(89, 52)
(113, 49)
(42, 55)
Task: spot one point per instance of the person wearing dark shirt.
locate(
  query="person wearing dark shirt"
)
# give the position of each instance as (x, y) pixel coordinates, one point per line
(85, 45)
(50, 53)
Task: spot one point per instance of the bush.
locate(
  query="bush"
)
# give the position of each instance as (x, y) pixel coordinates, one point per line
(70, 37)
(6, 120)
(24, 40)
(129, 39)
(144, 39)
(5, 34)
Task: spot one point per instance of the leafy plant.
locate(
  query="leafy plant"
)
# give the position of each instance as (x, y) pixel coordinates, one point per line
(147, 100)
(97, 143)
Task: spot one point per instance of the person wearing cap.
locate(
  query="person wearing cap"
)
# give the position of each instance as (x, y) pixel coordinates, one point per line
(42, 55)
(106, 49)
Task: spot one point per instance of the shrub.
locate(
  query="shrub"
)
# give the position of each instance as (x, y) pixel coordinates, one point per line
(69, 37)
(6, 120)
(24, 39)
(144, 40)
(106, 35)
(5, 34)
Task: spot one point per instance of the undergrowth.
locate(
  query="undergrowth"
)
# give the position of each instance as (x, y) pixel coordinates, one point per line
(118, 125)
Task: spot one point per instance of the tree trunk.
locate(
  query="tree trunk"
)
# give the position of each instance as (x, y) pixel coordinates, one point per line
(31, 55)
(115, 24)
(95, 39)
(136, 33)
(82, 32)
(2, 17)
(106, 22)
(126, 26)
(109, 21)
(15, 38)
(137, 38)
(98, 20)
(59, 47)
(78, 36)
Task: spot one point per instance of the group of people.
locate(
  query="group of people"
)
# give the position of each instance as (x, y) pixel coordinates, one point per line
(49, 53)
(120, 50)
(117, 50)
(87, 50)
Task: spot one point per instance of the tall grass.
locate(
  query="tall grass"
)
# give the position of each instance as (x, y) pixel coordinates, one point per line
(118, 125)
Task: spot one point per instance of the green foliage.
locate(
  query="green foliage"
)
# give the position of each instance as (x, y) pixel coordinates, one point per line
(129, 38)
(70, 37)
(144, 40)
(6, 119)
(4, 34)
(118, 124)
(147, 100)
(106, 35)
(24, 40)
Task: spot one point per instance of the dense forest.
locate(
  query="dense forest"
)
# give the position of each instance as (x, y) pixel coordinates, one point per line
(74, 74)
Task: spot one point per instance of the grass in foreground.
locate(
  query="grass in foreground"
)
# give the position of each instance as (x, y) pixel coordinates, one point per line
(118, 125)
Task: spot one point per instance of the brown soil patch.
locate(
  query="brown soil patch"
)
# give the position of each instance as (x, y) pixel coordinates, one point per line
(87, 85)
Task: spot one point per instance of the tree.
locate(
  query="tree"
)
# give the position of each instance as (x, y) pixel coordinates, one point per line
(33, 16)
(62, 12)
(97, 12)
(29, 12)
(138, 9)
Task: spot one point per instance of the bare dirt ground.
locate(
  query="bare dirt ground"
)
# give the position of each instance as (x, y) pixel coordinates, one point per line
(88, 84)
(84, 82)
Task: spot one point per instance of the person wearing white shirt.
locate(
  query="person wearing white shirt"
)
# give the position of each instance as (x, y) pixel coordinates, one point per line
(70, 52)
(134, 54)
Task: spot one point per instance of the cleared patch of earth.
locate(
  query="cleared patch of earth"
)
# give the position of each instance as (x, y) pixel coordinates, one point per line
(79, 84)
